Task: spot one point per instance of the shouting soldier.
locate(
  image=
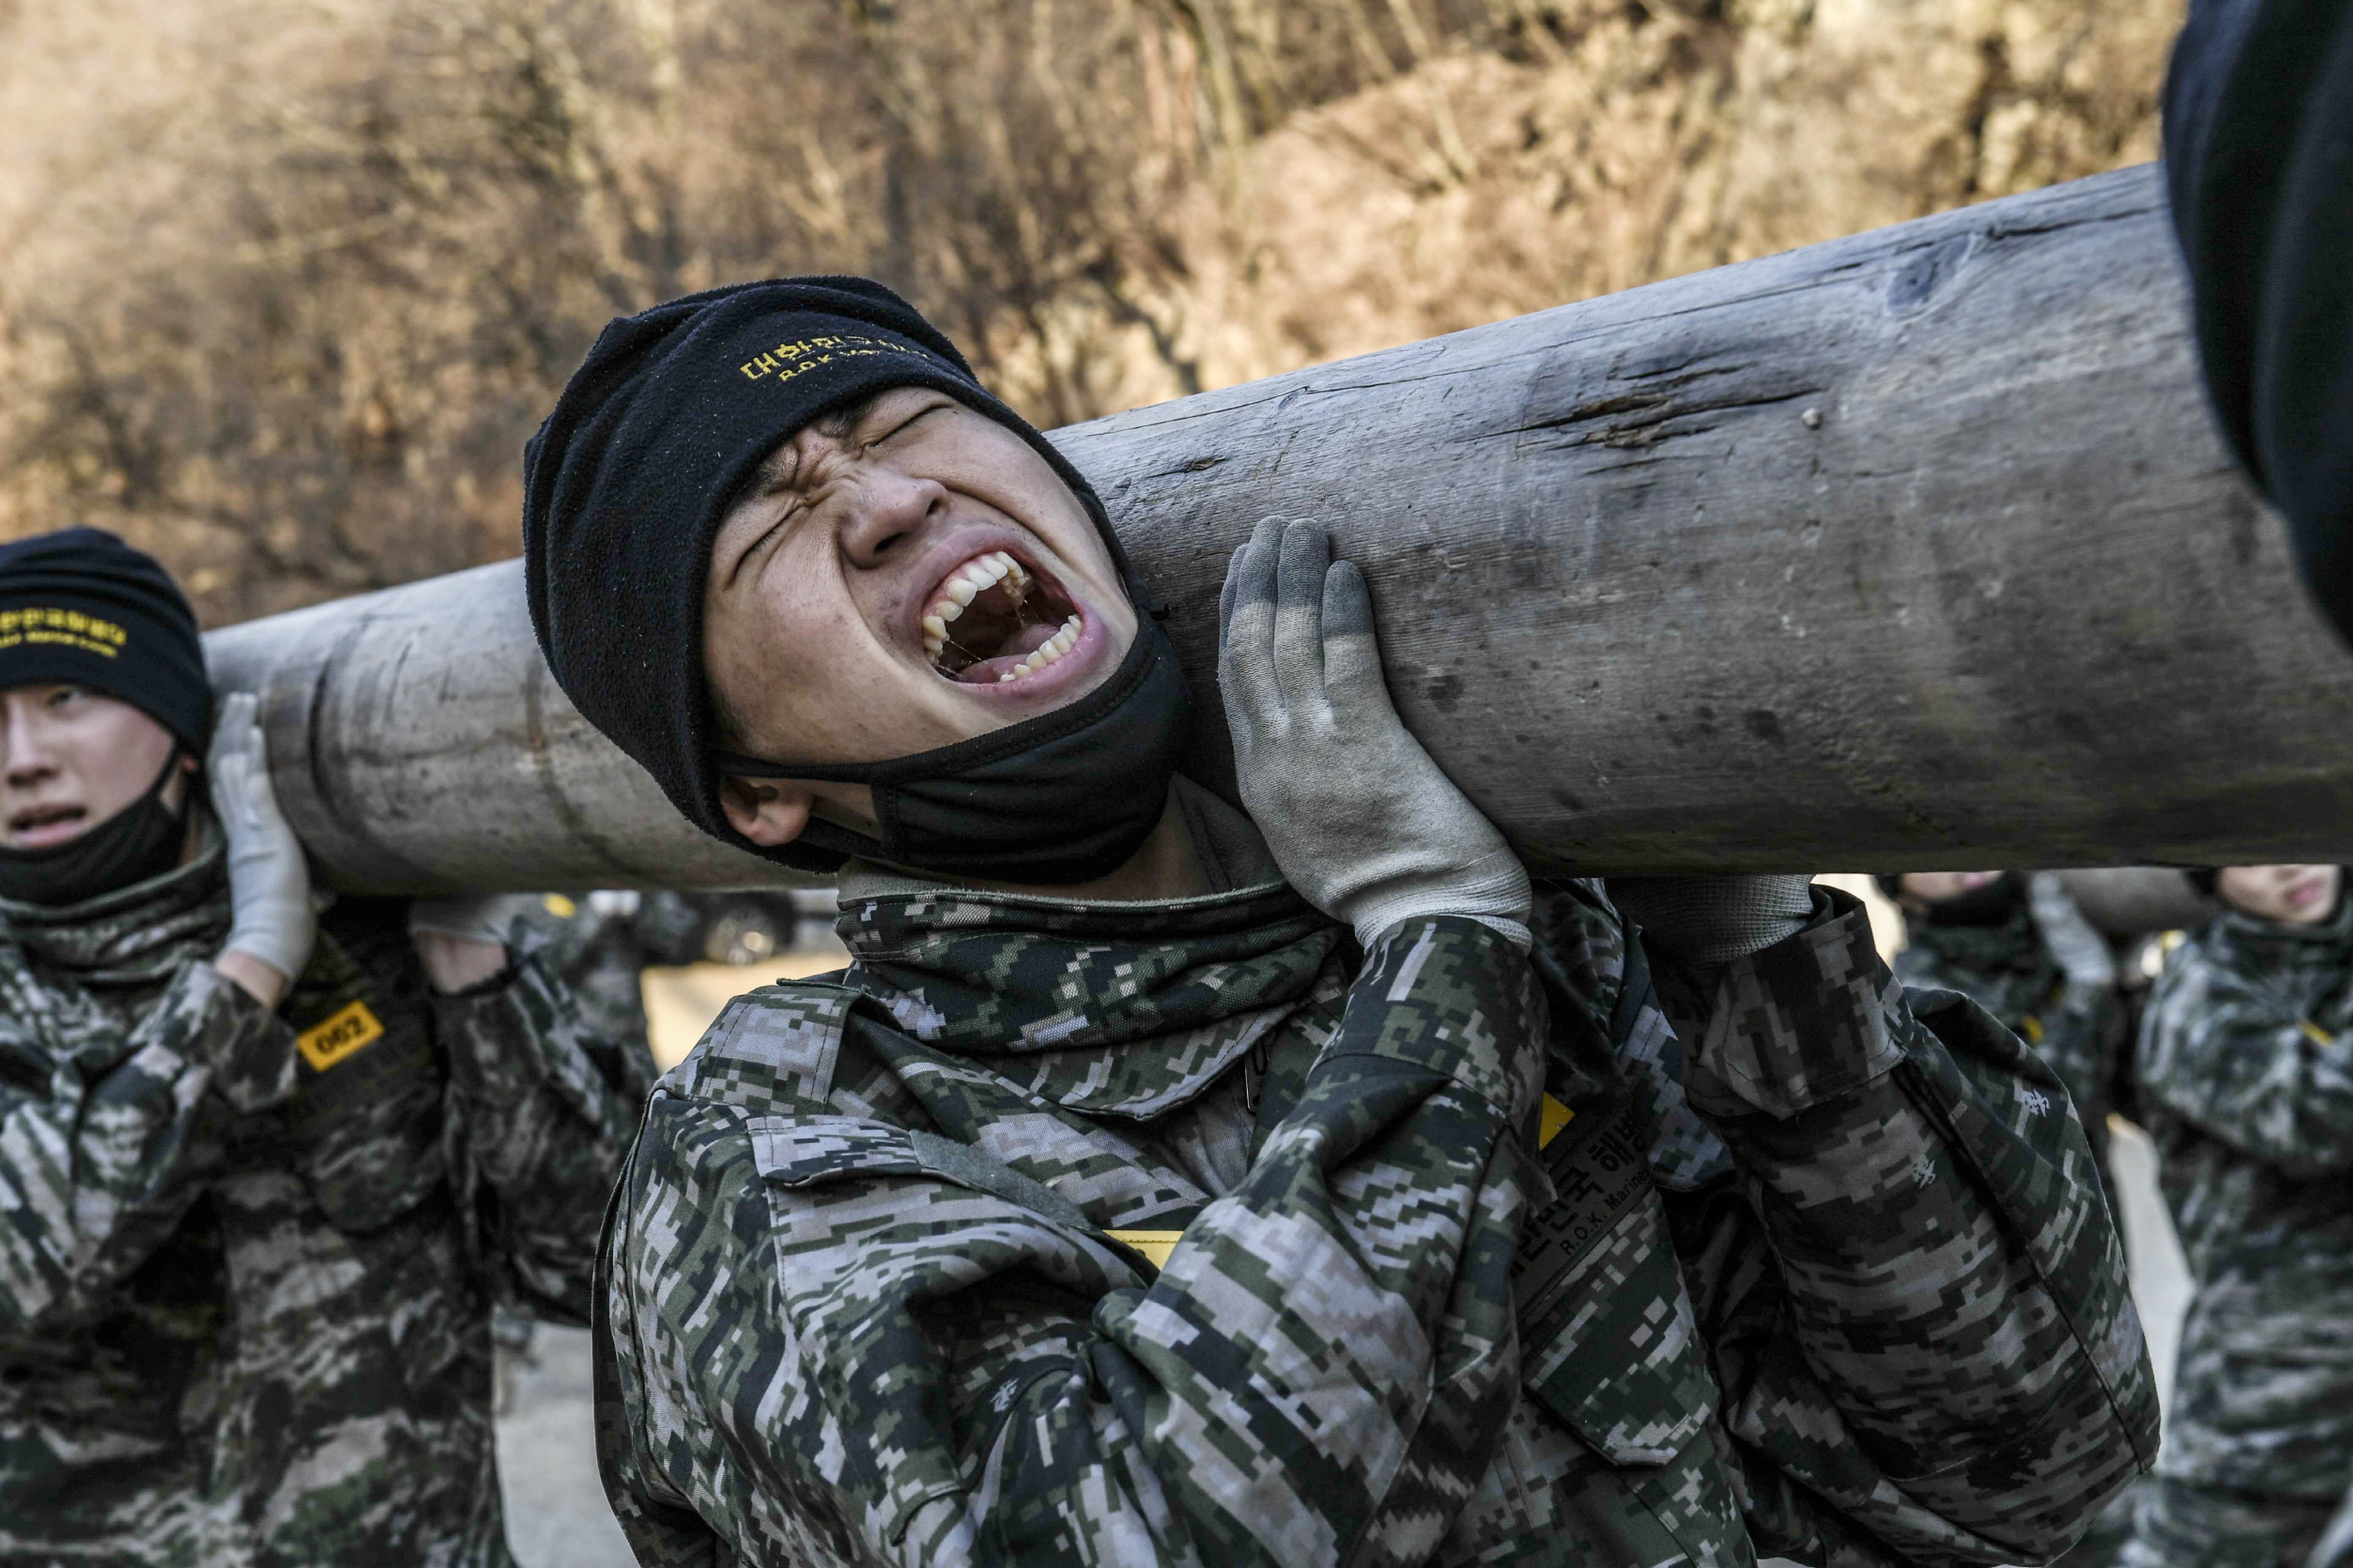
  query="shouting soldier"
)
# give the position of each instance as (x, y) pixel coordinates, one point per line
(262, 1172)
(1166, 1183)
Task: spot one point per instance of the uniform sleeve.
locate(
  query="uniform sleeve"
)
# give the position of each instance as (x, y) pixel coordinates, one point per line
(937, 1370)
(2247, 1070)
(540, 1117)
(1918, 1307)
(100, 1164)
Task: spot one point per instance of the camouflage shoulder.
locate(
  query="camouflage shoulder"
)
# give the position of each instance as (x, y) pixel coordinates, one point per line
(771, 1051)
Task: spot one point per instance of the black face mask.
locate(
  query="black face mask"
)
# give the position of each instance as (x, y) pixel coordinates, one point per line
(1990, 905)
(1065, 797)
(141, 841)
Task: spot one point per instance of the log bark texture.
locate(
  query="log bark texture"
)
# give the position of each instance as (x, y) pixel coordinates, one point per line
(1916, 549)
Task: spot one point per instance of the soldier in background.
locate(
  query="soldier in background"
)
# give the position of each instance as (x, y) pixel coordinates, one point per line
(2015, 944)
(598, 946)
(600, 943)
(263, 1169)
(2246, 1079)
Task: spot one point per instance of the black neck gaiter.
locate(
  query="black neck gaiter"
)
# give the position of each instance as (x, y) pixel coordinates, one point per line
(141, 841)
(1062, 798)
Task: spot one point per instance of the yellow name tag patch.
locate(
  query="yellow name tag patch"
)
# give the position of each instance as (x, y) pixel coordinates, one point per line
(1553, 1117)
(1154, 1244)
(2316, 1034)
(344, 1030)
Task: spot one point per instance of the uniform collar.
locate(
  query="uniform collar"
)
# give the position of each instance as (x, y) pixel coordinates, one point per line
(2015, 944)
(135, 934)
(1109, 1007)
(2329, 942)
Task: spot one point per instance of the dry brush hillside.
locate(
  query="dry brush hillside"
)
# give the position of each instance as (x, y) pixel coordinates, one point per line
(283, 286)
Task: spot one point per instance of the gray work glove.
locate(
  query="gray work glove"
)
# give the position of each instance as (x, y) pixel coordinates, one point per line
(2083, 954)
(488, 918)
(1362, 821)
(1709, 920)
(269, 885)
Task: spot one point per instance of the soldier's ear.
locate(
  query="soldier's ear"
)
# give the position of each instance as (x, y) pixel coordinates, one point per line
(767, 811)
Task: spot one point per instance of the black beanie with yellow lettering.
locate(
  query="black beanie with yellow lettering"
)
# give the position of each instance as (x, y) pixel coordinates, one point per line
(79, 606)
(627, 481)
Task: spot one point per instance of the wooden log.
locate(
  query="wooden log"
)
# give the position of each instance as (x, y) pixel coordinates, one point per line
(1913, 549)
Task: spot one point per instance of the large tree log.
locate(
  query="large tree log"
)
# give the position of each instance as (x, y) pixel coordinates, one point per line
(1913, 549)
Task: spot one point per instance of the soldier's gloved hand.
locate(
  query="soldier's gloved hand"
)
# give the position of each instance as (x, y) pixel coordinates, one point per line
(2084, 955)
(269, 883)
(1362, 821)
(463, 942)
(1709, 920)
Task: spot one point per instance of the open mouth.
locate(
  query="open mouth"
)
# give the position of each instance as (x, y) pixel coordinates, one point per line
(993, 619)
(37, 825)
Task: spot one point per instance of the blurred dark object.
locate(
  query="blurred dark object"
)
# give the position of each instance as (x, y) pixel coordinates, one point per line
(2259, 156)
(2130, 902)
(601, 943)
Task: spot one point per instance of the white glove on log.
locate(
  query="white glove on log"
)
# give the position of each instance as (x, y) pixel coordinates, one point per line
(269, 883)
(1362, 821)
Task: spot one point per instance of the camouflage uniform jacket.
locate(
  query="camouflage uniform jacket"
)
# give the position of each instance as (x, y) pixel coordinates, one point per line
(245, 1257)
(2246, 1060)
(2072, 1015)
(895, 1273)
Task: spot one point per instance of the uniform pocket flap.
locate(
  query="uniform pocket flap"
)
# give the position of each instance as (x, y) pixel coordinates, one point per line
(809, 1149)
(804, 1150)
(372, 1169)
(1619, 1360)
(807, 1152)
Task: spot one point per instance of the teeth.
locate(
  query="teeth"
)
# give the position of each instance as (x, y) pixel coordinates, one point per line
(1053, 649)
(972, 580)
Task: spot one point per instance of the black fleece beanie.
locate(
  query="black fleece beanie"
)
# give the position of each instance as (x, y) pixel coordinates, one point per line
(81, 607)
(625, 484)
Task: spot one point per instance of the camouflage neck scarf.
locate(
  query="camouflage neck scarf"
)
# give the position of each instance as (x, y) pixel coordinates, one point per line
(991, 974)
(2013, 945)
(2007, 969)
(134, 936)
(2256, 943)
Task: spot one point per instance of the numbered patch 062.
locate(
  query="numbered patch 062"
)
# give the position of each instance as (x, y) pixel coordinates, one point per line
(348, 1029)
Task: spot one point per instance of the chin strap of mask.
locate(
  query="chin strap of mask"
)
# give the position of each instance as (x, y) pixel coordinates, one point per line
(141, 841)
(1059, 799)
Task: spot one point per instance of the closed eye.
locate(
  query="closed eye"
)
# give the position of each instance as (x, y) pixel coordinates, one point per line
(907, 423)
(783, 519)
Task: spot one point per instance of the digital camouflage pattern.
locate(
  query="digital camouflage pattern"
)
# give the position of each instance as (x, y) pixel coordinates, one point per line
(2046, 975)
(1056, 1233)
(246, 1259)
(2246, 1069)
